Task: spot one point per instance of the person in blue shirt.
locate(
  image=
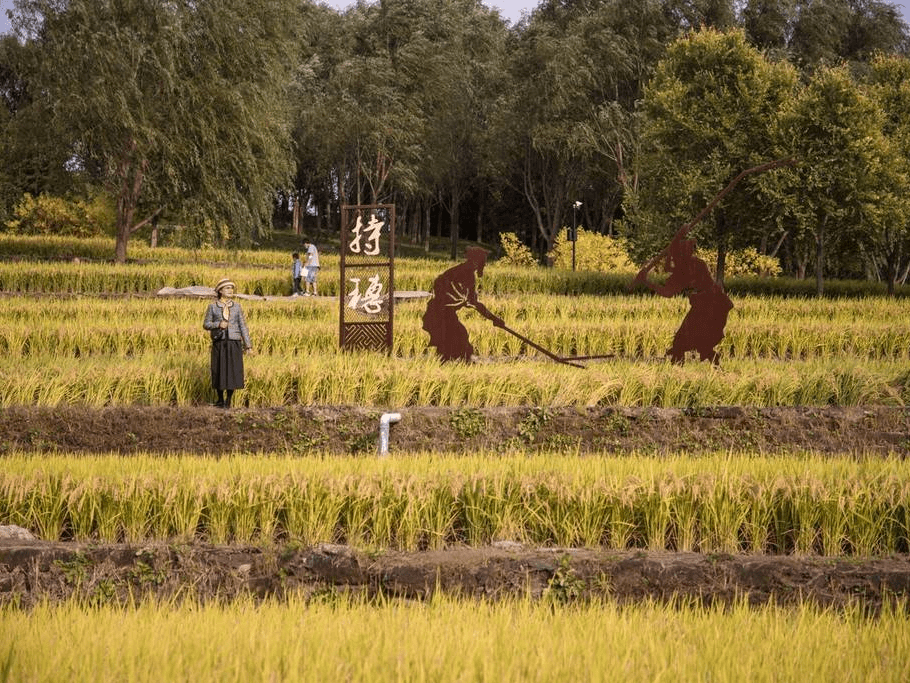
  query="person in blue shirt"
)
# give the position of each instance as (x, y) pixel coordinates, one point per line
(296, 274)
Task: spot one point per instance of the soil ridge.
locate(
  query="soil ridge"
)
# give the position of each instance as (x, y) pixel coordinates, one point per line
(31, 572)
(351, 429)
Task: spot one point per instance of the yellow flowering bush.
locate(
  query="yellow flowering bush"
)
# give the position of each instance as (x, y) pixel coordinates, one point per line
(50, 215)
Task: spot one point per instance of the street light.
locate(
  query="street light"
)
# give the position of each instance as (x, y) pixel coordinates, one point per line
(574, 231)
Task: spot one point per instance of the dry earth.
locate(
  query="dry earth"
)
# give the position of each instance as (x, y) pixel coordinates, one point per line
(302, 429)
(32, 572)
(36, 570)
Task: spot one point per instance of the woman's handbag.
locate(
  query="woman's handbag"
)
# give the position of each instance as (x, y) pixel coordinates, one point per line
(219, 334)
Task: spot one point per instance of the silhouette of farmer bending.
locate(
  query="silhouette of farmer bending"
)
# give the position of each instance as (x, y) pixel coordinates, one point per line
(703, 327)
(453, 290)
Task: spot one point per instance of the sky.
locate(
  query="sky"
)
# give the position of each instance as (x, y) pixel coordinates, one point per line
(509, 9)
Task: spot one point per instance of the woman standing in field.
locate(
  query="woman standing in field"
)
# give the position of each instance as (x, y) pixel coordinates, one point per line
(225, 322)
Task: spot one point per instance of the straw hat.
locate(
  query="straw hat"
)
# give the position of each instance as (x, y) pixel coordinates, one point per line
(225, 282)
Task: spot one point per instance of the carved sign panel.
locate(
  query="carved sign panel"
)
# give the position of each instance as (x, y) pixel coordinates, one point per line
(367, 277)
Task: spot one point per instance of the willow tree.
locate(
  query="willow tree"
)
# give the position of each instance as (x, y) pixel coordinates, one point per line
(177, 107)
(576, 73)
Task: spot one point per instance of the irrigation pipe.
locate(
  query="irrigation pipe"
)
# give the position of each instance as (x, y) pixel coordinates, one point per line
(384, 425)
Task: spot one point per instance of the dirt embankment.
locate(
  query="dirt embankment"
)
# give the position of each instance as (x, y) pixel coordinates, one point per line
(35, 571)
(301, 429)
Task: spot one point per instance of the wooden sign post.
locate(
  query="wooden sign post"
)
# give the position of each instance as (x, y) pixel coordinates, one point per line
(367, 304)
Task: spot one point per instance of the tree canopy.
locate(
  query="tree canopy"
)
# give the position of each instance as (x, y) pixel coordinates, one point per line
(177, 108)
(212, 115)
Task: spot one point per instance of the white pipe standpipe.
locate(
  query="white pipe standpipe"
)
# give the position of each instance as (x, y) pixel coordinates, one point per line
(384, 422)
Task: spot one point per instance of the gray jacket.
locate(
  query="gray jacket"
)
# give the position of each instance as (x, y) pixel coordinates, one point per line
(236, 328)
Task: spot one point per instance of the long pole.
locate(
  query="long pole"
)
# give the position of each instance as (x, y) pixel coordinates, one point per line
(684, 229)
(574, 234)
(544, 351)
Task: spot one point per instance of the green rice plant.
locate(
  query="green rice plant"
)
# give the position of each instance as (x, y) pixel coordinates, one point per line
(683, 509)
(868, 517)
(82, 508)
(833, 522)
(182, 510)
(721, 502)
(358, 512)
(313, 511)
(136, 510)
(623, 525)
(242, 502)
(473, 522)
(439, 515)
(759, 519)
(267, 494)
(217, 512)
(552, 515)
(657, 516)
(592, 507)
(897, 532)
(722, 515)
(388, 508)
(507, 508)
(806, 504)
(46, 507)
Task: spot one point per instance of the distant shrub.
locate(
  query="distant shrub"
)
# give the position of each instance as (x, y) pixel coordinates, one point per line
(515, 252)
(742, 263)
(593, 252)
(49, 215)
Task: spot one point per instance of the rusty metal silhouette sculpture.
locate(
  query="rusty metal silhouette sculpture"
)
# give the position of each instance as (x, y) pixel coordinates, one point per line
(703, 327)
(454, 290)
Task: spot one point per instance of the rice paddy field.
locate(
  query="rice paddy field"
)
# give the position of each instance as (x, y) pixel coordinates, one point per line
(543, 559)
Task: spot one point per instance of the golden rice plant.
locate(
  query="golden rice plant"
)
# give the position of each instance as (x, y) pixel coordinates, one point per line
(715, 502)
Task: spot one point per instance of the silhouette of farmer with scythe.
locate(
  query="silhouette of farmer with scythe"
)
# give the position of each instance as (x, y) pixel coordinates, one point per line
(453, 290)
(703, 327)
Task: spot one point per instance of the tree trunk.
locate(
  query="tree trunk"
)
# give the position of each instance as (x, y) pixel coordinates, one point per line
(123, 237)
(131, 174)
(455, 214)
(820, 257)
(426, 226)
(892, 266)
(720, 227)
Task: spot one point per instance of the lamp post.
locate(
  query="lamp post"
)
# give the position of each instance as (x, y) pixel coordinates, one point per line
(575, 208)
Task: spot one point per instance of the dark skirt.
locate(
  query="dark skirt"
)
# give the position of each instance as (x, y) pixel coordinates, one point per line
(227, 364)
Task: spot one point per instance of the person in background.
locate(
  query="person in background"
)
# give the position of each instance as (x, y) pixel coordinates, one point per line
(230, 338)
(312, 267)
(296, 274)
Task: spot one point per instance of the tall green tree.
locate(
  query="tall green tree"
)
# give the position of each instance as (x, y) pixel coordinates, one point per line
(708, 114)
(835, 131)
(577, 69)
(178, 107)
(33, 157)
(769, 23)
(888, 246)
(463, 68)
(811, 33)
